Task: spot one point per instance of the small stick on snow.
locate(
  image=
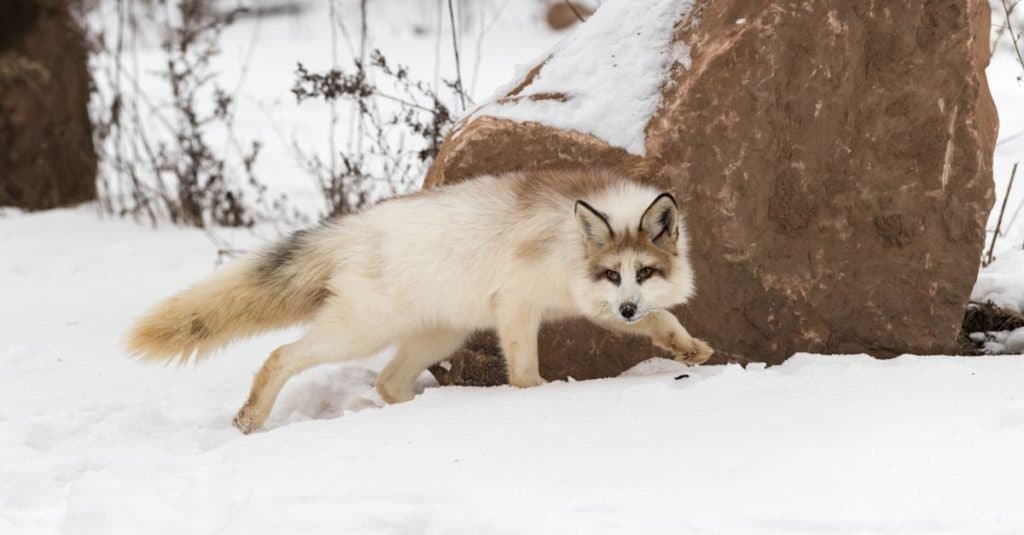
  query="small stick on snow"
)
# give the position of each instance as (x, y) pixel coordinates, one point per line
(999, 222)
(575, 11)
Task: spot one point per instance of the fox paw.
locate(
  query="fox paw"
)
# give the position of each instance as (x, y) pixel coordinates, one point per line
(392, 394)
(691, 351)
(246, 422)
(526, 381)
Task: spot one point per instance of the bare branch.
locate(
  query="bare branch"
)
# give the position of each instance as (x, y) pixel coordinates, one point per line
(458, 64)
(1008, 11)
(989, 258)
(575, 11)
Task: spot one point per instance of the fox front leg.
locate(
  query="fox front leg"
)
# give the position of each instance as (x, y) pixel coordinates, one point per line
(666, 332)
(517, 330)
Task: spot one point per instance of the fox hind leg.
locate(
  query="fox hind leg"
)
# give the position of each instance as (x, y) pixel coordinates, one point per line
(415, 353)
(290, 359)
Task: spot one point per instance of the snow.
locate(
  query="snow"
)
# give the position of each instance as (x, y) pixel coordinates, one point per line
(1001, 342)
(93, 442)
(610, 70)
(1002, 282)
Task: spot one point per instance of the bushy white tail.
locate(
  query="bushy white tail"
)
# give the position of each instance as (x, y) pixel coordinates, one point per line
(282, 286)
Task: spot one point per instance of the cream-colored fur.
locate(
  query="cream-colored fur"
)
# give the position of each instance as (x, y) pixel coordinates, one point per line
(505, 252)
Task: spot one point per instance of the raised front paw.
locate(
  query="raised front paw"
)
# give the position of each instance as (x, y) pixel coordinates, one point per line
(691, 350)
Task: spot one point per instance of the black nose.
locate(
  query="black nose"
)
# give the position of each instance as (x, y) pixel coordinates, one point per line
(627, 310)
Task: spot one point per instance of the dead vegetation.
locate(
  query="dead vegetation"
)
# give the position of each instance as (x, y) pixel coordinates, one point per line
(159, 160)
(986, 318)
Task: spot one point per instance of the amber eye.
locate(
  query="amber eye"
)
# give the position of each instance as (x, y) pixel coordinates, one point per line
(644, 273)
(612, 276)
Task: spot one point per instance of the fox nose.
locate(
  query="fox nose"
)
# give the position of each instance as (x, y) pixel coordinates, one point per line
(627, 310)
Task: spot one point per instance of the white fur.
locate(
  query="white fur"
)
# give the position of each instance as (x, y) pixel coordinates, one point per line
(449, 259)
(427, 270)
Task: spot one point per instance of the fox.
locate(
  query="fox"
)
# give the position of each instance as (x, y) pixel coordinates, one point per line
(422, 272)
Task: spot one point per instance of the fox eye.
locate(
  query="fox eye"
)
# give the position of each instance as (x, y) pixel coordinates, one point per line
(644, 273)
(612, 276)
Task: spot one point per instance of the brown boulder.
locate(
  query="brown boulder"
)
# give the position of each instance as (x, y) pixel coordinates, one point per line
(46, 149)
(834, 162)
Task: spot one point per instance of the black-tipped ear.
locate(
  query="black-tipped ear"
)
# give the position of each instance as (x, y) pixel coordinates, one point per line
(593, 225)
(660, 221)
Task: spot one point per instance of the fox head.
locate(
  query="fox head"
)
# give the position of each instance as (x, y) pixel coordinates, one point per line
(635, 262)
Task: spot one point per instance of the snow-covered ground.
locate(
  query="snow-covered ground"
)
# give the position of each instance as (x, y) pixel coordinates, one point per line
(92, 442)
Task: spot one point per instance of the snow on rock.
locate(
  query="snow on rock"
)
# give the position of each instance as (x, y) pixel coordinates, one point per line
(609, 70)
(1002, 282)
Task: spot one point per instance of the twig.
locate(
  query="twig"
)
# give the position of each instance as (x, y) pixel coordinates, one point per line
(999, 222)
(484, 30)
(437, 45)
(202, 187)
(575, 11)
(1011, 138)
(999, 33)
(334, 108)
(1013, 37)
(1016, 213)
(458, 68)
(363, 35)
(353, 116)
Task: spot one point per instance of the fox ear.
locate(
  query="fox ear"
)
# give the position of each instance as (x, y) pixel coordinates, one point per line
(593, 225)
(660, 222)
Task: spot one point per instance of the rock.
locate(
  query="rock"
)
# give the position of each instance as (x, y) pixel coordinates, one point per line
(479, 364)
(833, 159)
(47, 157)
(561, 15)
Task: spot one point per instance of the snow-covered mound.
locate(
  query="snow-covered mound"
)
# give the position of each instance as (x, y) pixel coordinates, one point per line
(1002, 282)
(605, 78)
(94, 443)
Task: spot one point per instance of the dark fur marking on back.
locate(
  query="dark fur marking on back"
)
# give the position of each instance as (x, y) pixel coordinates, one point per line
(283, 253)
